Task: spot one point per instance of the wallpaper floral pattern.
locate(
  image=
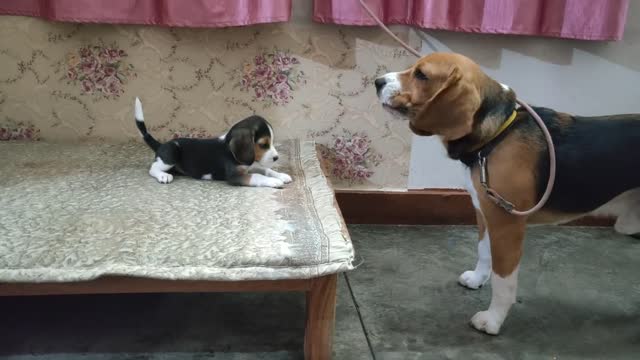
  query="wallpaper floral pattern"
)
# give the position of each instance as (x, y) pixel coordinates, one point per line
(272, 77)
(350, 157)
(12, 130)
(99, 70)
(65, 82)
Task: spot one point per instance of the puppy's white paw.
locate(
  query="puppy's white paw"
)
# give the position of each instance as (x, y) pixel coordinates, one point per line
(272, 182)
(164, 178)
(284, 178)
(486, 322)
(473, 279)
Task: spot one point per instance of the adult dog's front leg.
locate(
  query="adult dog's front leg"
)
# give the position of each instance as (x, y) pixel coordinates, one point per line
(271, 173)
(474, 279)
(507, 234)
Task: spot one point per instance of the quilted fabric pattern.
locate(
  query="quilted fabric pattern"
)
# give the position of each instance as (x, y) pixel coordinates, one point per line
(71, 212)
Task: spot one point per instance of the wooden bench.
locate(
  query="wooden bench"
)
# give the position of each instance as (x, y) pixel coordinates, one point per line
(87, 219)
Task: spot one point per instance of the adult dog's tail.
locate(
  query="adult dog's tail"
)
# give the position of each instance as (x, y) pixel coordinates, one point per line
(153, 143)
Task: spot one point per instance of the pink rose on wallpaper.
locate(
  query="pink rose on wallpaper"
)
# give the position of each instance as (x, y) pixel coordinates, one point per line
(282, 62)
(263, 72)
(359, 145)
(112, 85)
(361, 172)
(283, 94)
(350, 157)
(89, 65)
(87, 86)
(273, 77)
(110, 55)
(11, 130)
(260, 92)
(259, 60)
(110, 71)
(99, 70)
(85, 52)
(101, 85)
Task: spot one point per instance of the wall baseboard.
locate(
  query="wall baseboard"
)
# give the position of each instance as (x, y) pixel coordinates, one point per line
(420, 207)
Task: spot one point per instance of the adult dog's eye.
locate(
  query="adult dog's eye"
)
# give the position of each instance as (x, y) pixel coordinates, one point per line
(420, 75)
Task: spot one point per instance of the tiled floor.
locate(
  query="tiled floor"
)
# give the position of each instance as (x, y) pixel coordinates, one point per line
(579, 298)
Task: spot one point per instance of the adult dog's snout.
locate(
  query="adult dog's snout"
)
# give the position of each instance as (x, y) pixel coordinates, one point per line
(380, 83)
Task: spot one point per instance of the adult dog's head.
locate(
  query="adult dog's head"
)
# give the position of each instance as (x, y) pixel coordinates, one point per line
(446, 94)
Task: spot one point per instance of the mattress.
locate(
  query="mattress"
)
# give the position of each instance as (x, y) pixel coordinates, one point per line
(76, 212)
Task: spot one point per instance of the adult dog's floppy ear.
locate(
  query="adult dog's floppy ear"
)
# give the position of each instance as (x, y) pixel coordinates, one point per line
(450, 111)
(242, 145)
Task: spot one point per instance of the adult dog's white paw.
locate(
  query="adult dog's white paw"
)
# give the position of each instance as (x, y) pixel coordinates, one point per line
(486, 322)
(284, 178)
(473, 279)
(164, 178)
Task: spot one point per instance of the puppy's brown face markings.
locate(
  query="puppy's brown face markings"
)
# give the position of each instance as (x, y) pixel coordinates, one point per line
(251, 141)
(439, 94)
(261, 147)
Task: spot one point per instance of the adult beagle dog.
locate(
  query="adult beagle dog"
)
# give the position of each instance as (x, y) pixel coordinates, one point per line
(598, 162)
(242, 156)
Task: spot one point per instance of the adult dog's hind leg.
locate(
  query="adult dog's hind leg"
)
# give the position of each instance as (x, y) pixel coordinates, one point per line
(626, 209)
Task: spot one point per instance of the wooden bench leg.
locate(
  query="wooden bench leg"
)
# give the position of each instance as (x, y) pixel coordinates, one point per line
(321, 316)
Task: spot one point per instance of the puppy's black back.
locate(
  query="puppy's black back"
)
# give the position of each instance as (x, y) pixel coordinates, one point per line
(198, 157)
(221, 158)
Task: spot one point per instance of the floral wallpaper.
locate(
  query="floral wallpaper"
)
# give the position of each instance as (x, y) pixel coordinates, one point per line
(69, 82)
(12, 130)
(350, 157)
(271, 77)
(99, 69)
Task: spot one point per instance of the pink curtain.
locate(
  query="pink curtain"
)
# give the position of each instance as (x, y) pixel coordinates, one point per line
(576, 19)
(191, 13)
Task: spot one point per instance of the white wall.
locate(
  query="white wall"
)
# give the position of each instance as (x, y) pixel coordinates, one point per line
(580, 77)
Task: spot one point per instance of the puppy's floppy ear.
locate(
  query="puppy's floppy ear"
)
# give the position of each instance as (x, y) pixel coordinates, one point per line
(450, 111)
(242, 145)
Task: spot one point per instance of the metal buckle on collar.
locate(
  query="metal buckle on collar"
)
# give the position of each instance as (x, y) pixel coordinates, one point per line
(491, 194)
(482, 161)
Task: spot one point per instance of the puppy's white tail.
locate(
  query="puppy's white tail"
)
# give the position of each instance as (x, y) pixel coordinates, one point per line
(138, 111)
(153, 143)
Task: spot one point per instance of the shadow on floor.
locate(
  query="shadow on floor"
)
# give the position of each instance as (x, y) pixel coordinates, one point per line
(153, 323)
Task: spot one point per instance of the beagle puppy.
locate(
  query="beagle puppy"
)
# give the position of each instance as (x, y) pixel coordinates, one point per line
(242, 156)
(449, 96)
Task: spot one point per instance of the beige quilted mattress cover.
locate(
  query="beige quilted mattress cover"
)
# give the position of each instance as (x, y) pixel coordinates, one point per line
(73, 212)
